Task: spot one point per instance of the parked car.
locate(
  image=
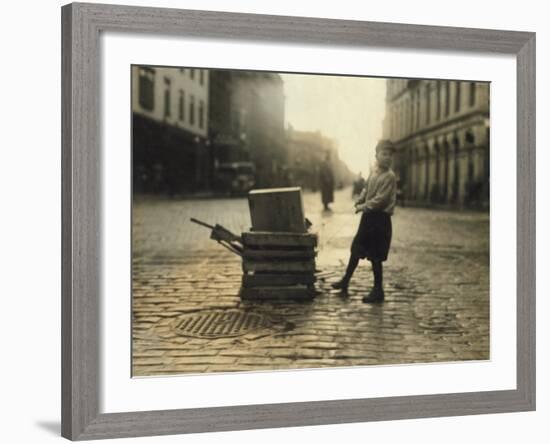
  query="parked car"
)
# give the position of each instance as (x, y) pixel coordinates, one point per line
(235, 178)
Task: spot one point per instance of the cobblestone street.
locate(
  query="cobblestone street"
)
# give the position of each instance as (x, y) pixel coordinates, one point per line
(436, 282)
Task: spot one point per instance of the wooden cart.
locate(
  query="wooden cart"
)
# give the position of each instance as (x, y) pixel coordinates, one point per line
(278, 253)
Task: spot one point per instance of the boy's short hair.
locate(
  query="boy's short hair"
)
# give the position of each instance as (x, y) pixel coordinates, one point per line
(385, 145)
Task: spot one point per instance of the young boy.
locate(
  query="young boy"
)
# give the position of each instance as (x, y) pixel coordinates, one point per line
(373, 238)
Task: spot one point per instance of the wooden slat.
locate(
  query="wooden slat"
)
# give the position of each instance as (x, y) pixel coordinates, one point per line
(302, 253)
(266, 239)
(297, 293)
(274, 280)
(278, 267)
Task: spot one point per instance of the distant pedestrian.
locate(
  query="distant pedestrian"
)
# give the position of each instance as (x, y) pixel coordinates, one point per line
(326, 181)
(400, 193)
(358, 186)
(376, 203)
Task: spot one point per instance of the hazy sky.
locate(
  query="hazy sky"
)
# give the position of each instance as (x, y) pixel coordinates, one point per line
(349, 110)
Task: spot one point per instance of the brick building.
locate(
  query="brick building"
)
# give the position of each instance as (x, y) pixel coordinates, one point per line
(441, 131)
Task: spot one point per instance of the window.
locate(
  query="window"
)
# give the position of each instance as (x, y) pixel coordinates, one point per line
(417, 108)
(405, 122)
(472, 93)
(167, 104)
(395, 120)
(182, 105)
(428, 104)
(201, 76)
(147, 88)
(438, 103)
(192, 110)
(403, 119)
(447, 98)
(201, 114)
(457, 96)
(411, 114)
(192, 74)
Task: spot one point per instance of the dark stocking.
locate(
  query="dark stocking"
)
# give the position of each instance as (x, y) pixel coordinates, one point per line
(352, 265)
(377, 270)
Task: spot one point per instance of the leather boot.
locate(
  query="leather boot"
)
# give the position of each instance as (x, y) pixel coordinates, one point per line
(342, 284)
(375, 296)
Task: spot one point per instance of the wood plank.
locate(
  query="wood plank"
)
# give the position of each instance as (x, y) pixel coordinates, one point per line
(295, 293)
(278, 267)
(280, 279)
(267, 239)
(302, 253)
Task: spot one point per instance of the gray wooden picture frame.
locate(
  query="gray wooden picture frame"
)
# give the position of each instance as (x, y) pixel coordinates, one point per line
(81, 231)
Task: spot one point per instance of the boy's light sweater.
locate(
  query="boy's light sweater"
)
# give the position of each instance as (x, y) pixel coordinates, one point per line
(379, 192)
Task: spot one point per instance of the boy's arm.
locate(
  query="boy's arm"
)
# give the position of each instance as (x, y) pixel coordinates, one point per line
(383, 196)
(362, 196)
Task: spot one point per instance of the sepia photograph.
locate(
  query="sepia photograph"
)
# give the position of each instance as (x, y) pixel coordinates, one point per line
(285, 221)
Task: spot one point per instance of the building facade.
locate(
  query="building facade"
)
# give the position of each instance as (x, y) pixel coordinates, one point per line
(441, 131)
(170, 143)
(247, 121)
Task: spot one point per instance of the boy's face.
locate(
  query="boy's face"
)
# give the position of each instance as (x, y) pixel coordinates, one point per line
(384, 158)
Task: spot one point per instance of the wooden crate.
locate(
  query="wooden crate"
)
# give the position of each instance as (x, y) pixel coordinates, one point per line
(277, 210)
(278, 266)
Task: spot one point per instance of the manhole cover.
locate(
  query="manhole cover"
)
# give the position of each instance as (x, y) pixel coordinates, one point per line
(219, 323)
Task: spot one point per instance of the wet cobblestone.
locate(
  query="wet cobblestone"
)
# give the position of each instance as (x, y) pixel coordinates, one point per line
(436, 282)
